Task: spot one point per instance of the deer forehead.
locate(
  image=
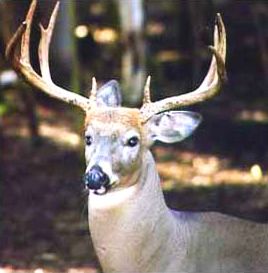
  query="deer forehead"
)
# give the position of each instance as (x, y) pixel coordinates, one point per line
(114, 120)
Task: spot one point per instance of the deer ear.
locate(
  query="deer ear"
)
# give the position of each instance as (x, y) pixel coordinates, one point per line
(109, 95)
(172, 126)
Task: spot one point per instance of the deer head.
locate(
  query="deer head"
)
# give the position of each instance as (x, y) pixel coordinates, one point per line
(116, 137)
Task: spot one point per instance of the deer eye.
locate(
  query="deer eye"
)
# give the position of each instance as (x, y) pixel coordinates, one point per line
(133, 141)
(88, 140)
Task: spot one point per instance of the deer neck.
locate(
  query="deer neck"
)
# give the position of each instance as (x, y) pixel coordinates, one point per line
(122, 223)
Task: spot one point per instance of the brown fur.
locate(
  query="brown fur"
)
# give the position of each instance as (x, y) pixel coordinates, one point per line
(114, 121)
(129, 117)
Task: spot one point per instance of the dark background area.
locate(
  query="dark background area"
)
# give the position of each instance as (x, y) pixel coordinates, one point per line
(222, 167)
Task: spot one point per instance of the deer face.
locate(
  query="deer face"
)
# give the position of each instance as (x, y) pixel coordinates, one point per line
(116, 139)
(114, 147)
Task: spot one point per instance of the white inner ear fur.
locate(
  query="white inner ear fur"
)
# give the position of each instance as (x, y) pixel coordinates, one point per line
(172, 126)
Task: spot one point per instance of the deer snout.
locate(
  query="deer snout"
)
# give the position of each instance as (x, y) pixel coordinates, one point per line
(96, 179)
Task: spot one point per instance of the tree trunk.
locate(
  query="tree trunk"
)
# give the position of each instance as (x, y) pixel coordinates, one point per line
(196, 12)
(133, 56)
(258, 10)
(64, 47)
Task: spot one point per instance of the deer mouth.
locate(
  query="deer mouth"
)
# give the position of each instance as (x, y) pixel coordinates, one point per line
(106, 188)
(101, 191)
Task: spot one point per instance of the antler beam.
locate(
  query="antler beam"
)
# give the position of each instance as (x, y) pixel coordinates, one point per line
(209, 87)
(22, 63)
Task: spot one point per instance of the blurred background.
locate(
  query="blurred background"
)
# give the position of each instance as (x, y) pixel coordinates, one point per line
(222, 167)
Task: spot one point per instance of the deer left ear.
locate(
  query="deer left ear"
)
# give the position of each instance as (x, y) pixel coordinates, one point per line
(109, 95)
(172, 126)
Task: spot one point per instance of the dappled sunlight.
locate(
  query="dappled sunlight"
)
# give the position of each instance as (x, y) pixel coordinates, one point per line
(60, 135)
(256, 172)
(168, 56)
(252, 116)
(10, 269)
(154, 28)
(56, 133)
(206, 165)
(55, 128)
(179, 169)
(81, 31)
(105, 35)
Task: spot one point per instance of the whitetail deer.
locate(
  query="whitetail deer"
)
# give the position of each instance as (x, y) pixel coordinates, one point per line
(132, 229)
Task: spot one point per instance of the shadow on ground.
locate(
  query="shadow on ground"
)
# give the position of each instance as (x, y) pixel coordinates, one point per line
(44, 219)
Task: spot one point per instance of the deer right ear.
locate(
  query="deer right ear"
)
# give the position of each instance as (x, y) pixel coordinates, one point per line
(172, 126)
(109, 95)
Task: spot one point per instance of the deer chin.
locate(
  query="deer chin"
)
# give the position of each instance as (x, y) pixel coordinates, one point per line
(112, 199)
(105, 189)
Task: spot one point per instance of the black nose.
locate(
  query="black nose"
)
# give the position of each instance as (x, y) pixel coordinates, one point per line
(96, 178)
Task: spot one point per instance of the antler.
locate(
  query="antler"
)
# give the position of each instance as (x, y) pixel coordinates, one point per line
(22, 64)
(209, 87)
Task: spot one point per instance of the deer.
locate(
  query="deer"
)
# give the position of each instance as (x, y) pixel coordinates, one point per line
(132, 228)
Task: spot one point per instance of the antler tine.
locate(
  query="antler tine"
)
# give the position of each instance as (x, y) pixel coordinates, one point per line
(22, 64)
(11, 47)
(93, 92)
(209, 87)
(25, 42)
(147, 95)
(43, 49)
